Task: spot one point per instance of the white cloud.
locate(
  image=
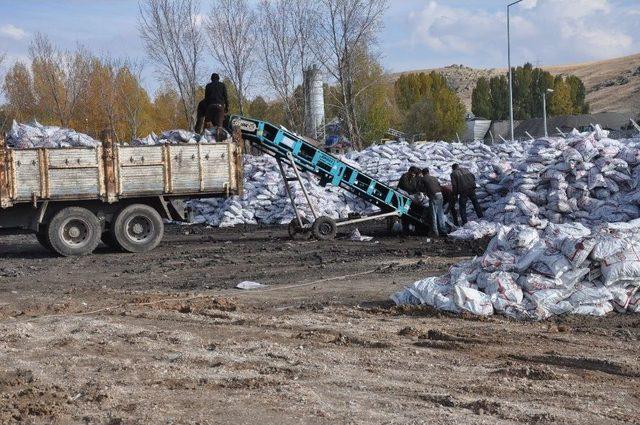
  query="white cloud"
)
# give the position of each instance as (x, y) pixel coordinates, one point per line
(549, 31)
(529, 4)
(13, 32)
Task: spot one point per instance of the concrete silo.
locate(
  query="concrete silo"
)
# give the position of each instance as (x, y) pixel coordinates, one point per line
(314, 104)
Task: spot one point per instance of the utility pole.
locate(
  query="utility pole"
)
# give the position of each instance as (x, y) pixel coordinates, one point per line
(544, 110)
(509, 64)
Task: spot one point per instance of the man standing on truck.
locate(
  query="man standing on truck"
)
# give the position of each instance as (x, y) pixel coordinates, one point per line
(463, 185)
(214, 106)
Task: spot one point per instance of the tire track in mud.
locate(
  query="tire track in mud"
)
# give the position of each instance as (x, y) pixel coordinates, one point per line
(581, 363)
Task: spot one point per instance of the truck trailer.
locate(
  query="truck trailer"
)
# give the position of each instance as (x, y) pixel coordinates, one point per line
(72, 198)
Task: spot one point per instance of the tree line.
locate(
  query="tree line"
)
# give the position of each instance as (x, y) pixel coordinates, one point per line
(490, 97)
(91, 92)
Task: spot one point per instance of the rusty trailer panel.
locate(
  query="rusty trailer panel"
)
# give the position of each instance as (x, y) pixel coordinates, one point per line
(6, 182)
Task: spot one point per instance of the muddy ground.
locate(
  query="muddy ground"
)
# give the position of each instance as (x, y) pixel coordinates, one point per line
(165, 338)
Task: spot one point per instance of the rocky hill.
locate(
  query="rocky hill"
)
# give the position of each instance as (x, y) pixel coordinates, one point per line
(612, 85)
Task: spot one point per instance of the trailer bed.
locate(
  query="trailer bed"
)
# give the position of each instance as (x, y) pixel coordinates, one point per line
(113, 172)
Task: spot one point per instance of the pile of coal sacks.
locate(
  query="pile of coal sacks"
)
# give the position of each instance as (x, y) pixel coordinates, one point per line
(533, 274)
(265, 200)
(173, 137)
(567, 236)
(36, 135)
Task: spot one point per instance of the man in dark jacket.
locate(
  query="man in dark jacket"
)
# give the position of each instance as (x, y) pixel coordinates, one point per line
(407, 181)
(463, 185)
(407, 186)
(214, 106)
(429, 186)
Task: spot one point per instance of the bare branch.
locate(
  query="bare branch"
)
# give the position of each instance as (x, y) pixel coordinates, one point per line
(232, 41)
(171, 33)
(347, 26)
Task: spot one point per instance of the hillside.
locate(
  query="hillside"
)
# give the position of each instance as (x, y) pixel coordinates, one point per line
(612, 85)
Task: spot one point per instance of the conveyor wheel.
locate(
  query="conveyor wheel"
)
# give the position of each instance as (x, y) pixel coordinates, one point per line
(298, 233)
(324, 228)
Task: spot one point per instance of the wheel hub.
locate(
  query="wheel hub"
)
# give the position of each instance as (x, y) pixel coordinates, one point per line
(325, 229)
(75, 232)
(139, 228)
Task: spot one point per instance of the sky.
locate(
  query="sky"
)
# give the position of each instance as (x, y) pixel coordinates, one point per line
(417, 34)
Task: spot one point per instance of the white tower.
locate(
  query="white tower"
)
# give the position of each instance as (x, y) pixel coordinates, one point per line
(314, 104)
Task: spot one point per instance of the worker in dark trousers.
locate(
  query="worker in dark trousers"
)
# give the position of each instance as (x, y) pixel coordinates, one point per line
(202, 113)
(449, 203)
(463, 185)
(407, 186)
(215, 104)
(430, 188)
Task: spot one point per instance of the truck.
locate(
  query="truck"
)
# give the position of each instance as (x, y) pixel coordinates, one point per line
(73, 198)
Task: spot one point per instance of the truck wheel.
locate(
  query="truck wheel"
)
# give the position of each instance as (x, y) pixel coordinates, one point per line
(43, 237)
(324, 228)
(138, 228)
(74, 231)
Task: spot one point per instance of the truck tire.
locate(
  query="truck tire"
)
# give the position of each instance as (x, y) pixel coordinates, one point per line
(324, 228)
(74, 231)
(138, 228)
(43, 237)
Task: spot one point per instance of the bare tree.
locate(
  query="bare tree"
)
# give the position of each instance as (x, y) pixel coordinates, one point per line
(306, 16)
(105, 70)
(280, 54)
(347, 27)
(60, 77)
(131, 95)
(232, 42)
(171, 33)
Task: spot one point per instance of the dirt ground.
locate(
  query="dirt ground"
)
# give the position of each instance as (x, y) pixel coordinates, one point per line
(165, 338)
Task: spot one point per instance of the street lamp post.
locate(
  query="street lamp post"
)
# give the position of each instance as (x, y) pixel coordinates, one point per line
(544, 110)
(509, 64)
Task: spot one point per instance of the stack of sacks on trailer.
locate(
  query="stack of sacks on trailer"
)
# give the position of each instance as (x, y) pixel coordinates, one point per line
(527, 273)
(173, 137)
(36, 135)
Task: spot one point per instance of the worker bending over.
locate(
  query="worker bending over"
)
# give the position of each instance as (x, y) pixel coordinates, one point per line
(463, 185)
(430, 188)
(407, 182)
